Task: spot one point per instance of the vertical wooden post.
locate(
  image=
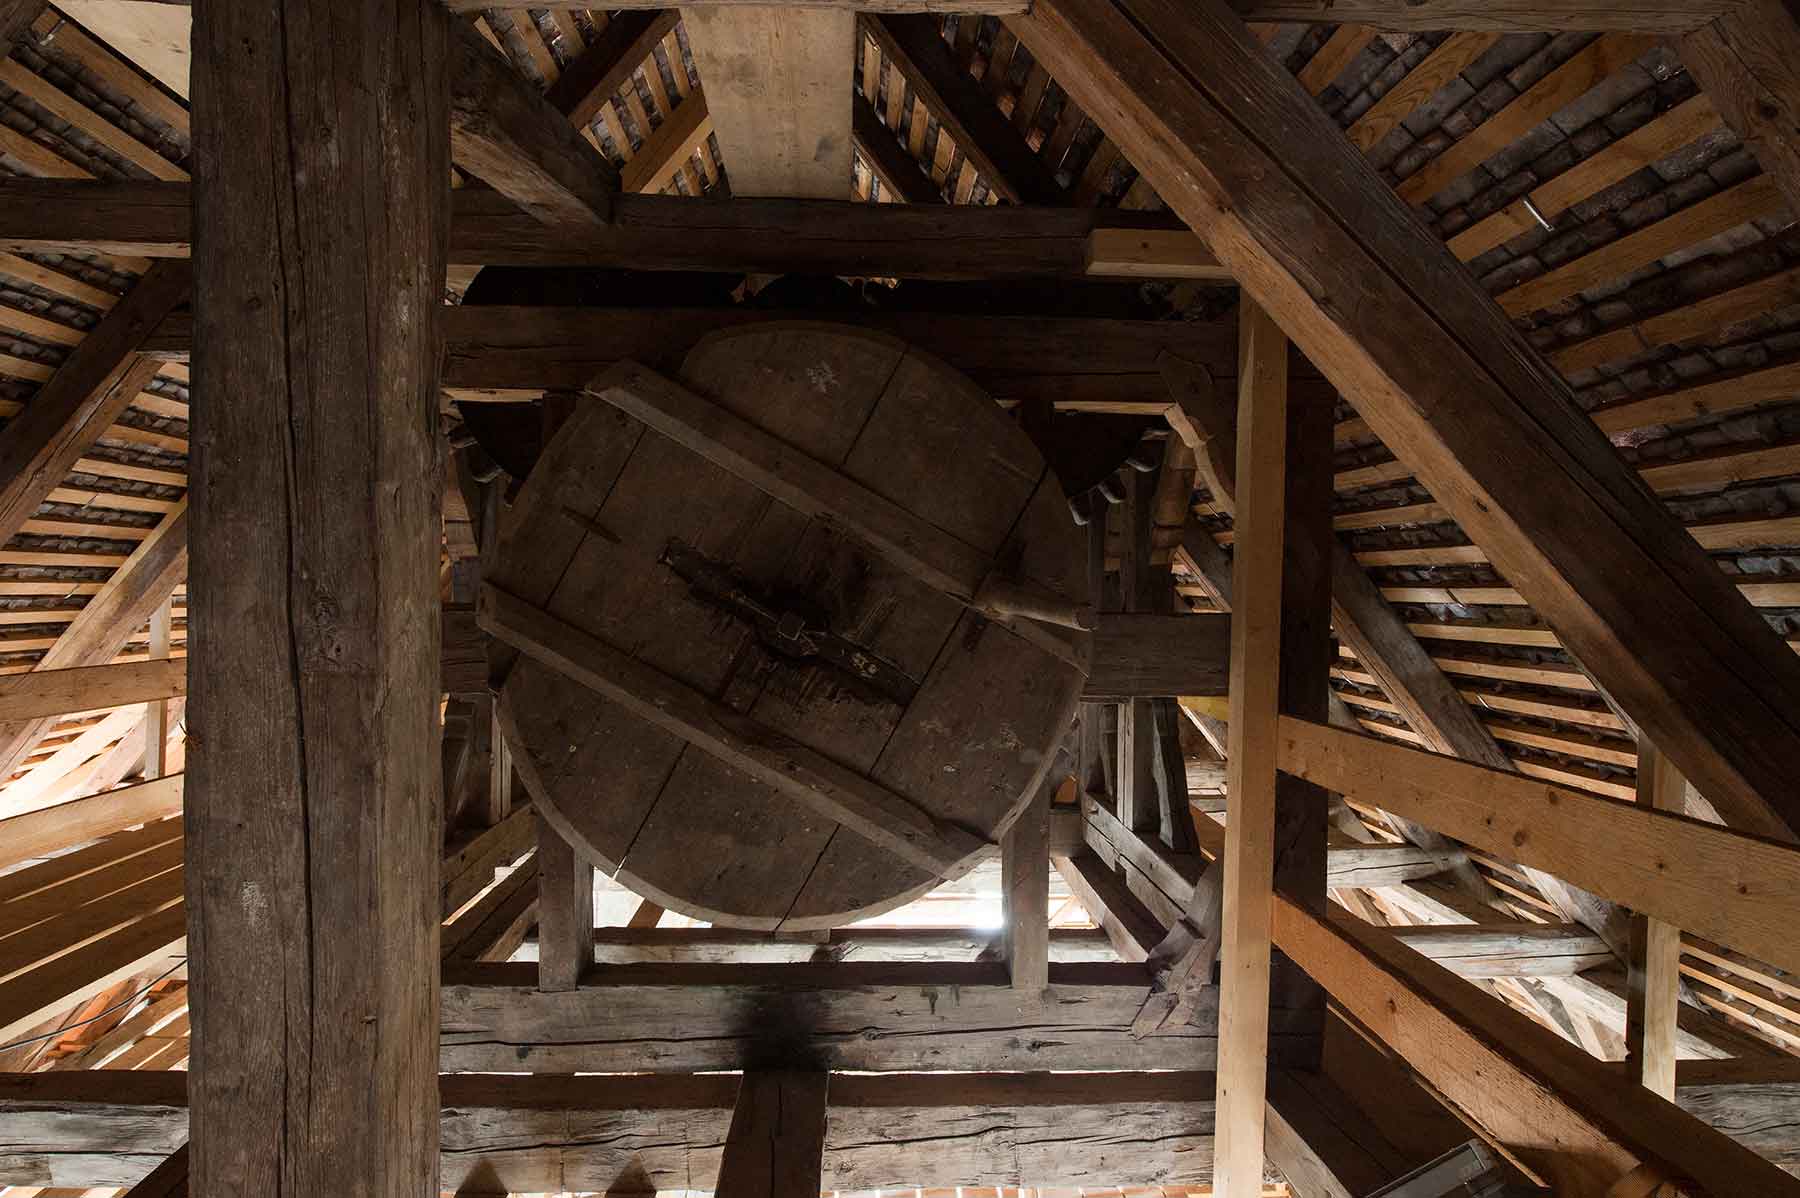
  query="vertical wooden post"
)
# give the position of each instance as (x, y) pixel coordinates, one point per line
(1301, 807)
(565, 911)
(1255, 696)
(321, 151)
(1653, 982)
(1025, 893)
(156, 712)
(1137, 729)
(776, 1145)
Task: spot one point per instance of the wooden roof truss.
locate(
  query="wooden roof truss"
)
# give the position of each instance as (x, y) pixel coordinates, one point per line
(1551, 532)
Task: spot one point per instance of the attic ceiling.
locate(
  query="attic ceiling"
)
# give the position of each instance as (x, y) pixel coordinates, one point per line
(1584, 178)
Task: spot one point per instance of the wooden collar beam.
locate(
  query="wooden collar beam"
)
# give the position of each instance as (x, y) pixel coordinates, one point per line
(524, 1134)
(654, 232)
(1417, 16)
(870, 1016)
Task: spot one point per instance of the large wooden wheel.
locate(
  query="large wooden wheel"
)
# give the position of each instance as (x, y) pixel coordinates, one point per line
(759, 682)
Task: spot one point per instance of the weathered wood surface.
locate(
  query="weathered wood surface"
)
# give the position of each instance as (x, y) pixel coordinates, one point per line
(726, 946)
(776, 1143)
(322, 166)
(1729, 887)
(90, 688)
(778, 86)
(50, 829)
(1746, 63)
(1498, 16)
(1025, 894)
(1246, 156)
(514, 140)
(565, 910)
(1536, 1093)
(848, 1015)
(1137, 655)
(562, 1134)
(655, 232)
(695, 799)
(1093, 365)
(903, 6)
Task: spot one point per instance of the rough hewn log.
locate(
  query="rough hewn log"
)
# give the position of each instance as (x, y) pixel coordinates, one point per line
(322, 169)
(559, 1134)
(875, 1017)
(515, 140)
(919, 239)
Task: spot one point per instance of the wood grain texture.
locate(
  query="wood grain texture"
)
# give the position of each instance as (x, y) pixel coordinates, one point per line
(1665, 864)
(1748, 62)
(557, 1134)
(1256, 686)
(799, 455)
(1632, 596)
(88, 688)
(1025, 894)
(48, 829)
(514, 140)
(321, 180)
(778, 85)
(565, 911)
(776, 1143)
(843, 1016)
(1538, 1094)
(923, 238)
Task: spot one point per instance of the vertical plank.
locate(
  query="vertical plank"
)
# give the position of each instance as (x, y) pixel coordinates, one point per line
(1653, 982)
(1256, 621)
(156, 712)
(1025, 893)
(321, 190)
(1305, 665)
(1137, 798)
(776, 1145)
(565, 911)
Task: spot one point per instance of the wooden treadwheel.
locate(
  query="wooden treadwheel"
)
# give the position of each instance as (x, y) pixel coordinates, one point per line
(759, 682)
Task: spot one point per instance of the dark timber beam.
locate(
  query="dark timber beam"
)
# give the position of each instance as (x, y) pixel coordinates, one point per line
(536, 1134)
(928, 239)
(978, 7)
(322, 166)
(848, 1015)
(915, 45)
(898, 171)
(1748, 63)
(1370, 294)
(514, 140)
(775, 1146)
(585, 86)
(1539, 1095)
(1498, 16)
